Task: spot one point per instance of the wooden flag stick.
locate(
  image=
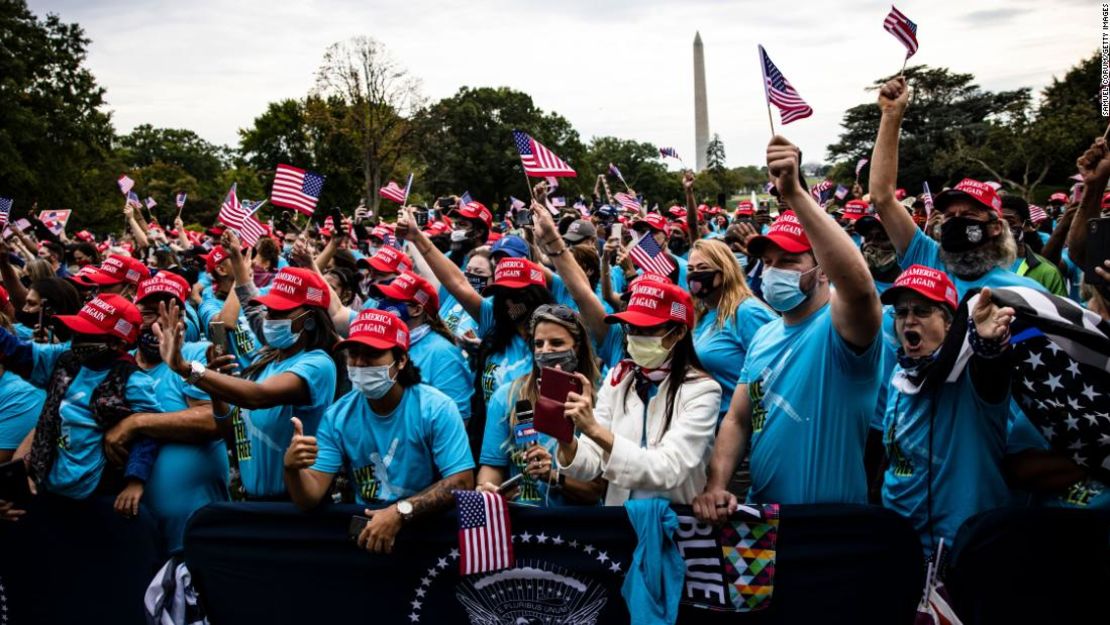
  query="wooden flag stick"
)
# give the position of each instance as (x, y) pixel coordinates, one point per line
(770, 119)
(902, 72)
(528, 183)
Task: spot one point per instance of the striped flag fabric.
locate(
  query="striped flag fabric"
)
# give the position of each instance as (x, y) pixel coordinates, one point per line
(393, 191)
(820, 189)
(552, 183)
(125, 184)
(668, 153)
(133, 200)
(180, 200)
(465, 198)
(781, 93)
(233, 215)
(1037, 214)
(928, 199)
(841, 192)
(150, 203)
(613, 171)
(648, 256)
(897, 24)
(860, 164)
(628, 201)
(559, 202)
(5, 210)
(539, 161)
(485, 535)
(296, 188)
(515, 203)
(55, 220)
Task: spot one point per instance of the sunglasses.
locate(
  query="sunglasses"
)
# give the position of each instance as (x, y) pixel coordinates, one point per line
(919, 311)
(559, 311)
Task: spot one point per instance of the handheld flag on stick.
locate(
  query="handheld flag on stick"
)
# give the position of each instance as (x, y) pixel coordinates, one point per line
(648, 256)
(613, 171)
(133, 200)
(859, 167)
(125, 184)
(297, 189)
(392, 191)
(5, 210)
(234, 215)
(841, 192)
(538, 161)
(903, 30)
(150, 203)
(928, 199)
(408, 189)
(180, 201)
(465, 198)
(629, 202)
(55, 220)
(515, 203)
(781, 93)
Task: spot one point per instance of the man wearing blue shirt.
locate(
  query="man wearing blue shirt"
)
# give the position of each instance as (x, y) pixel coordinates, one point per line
(809, 383)
(394, 433)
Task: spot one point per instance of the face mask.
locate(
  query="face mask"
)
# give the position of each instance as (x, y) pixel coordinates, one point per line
(279, 333)
(372, 382)
(90, 353)
(879, 259)
(701, 283)
(477, 282)
(288, 247)
(959, 234)
(262, 278)
(648, 351)
(781, 288)
(442, 243)
(1019, 234)
(566, 360)
(148, 346)
(517, 311)
(741, 258)
(677, 247)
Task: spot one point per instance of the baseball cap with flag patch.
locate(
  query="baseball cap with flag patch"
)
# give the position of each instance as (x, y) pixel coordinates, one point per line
(476, 210)
(409, 287)
(163, 282)
(930, 283)
(981, 192)
(377, 329)
(654, 303)
(390, 260)
(118, 268)
(515, 273)
(109, 314)
(293, 287)
(787, 233)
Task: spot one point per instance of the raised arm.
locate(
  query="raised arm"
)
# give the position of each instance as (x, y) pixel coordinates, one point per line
(856, 312)
(893, 99)
(1094, 166)
(593, 314)
(691, 206)
(449, 275)
(137, 229)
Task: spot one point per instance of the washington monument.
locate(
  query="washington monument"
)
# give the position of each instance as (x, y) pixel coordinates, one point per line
(701, 110)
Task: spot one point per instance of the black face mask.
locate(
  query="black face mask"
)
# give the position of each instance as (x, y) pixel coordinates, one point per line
(701, 282)
(148, 346)
(442, 243)
(1035, 243)
(677, 247)
(92, 353)
(478, 283)
(959, 234)
(567, 360)
(1019, 234)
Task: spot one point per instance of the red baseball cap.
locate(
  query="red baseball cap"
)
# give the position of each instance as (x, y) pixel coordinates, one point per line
(1058, 197)
(930, 283)
(787, 233)
(293, 287)
(679, 212)
(745, 207)
(82, 276)
(118, 268)
(653, 303)
(381, 231)
(390, 260)
(85, 235)
(476, 210)
(163, 282)
(214, 258)
(377, 329)
(650, 278)
(854, 209)
(655, 221)
(678, 225)
(1105, 200)
(515, 273)
(437, 228)
(106, 314)
(899, 194)
(493, 237)
(981, 192)
(409, 287)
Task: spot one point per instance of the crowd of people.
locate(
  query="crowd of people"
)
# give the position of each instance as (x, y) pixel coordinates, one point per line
(779, 361)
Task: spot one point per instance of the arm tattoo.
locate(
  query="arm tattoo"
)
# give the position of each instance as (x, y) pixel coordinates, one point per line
(439, 496)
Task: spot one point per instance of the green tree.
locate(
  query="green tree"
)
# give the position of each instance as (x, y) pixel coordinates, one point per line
(639, 164)
(715, 153)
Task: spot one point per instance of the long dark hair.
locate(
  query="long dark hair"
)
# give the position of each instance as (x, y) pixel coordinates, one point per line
(685, 365)
(321, 336)
(63, 297)
(504, 328)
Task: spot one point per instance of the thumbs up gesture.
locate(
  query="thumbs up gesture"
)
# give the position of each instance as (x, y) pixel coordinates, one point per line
(302, 449)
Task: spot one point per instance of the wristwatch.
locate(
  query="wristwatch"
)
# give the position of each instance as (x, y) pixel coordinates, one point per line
(196, 372)
(405, 508)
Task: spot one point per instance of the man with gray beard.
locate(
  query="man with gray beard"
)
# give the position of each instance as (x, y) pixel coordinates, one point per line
(976, 247)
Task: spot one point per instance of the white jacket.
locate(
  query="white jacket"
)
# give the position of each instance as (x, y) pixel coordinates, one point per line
(674, 463)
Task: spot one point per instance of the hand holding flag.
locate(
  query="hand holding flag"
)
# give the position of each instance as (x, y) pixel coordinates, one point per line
(781, 93)
(903, 30)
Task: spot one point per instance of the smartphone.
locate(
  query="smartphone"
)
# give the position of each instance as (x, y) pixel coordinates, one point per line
(510, 483)
(217, 334)
(523, 217)
(550, 417)
(13, 481)
(616, 231)
(1098, 249)
(445, 203)
(421, 217)
(354, 528)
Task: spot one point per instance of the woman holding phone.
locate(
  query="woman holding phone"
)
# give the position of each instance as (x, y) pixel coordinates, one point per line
(511, 445)
(651, 432)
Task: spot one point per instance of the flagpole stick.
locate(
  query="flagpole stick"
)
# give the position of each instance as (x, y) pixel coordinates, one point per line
(902, 72)
(770, 119)
(528, 183)
(1106, 132)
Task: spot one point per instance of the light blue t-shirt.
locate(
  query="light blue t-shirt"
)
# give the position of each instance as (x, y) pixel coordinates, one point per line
(393, 456)
(925, 251)
(968, 444)
(185, 477)
(241, 340)
(262, 435)
(812, 396)
(80, 461)
(722, 350)
(454, 316)
(509, 364)
(443, 366)
(20, 406)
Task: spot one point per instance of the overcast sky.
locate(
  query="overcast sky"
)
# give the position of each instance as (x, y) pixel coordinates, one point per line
(622, 68)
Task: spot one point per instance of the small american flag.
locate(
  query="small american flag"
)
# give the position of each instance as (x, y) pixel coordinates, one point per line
(781, 93)
(903, 30)
(150, 203)
(616, 172)
(180, 200)
(465, 198)
(678, 311)
(5, 210)
(1037, 214)
(628, 202)
(393, 191)
(928, 199)
(539, 161)
(559, 202)
(485, 542)
(552, 183)
(668, 153)
(515, 203)
(650, 257)
(133, 200)
(860, 164)
(297, 189)
(235, 216)
(841, 192)
(125, 184)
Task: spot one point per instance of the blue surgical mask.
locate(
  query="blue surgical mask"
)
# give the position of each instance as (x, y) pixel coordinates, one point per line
(279, 333)
(372, 382)
(781, 288)
(286, 248)
(742, 259)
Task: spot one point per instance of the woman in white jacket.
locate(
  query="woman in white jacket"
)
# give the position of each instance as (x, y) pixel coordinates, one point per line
(651, 432)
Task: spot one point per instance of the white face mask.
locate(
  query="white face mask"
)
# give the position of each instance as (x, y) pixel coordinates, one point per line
(648, 351)
(372, 382)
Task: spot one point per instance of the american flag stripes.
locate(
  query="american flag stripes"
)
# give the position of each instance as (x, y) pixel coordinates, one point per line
(133, 200)
(818, 191)
(928, 199)
(613, 171)
(150, 203)
(539, 161)
(628, 201)
(515, 203)
(465, 198)
(393, 191)
(559, 202)
(781, 93)
(648, 256)
(5, 210)
(903, 30)
(860, 164)
(180, 200)
(1037, 214)
(125, 184)
(485, 536)
(235, 216)
(296, 188)
(841, 192)
(668, 153)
